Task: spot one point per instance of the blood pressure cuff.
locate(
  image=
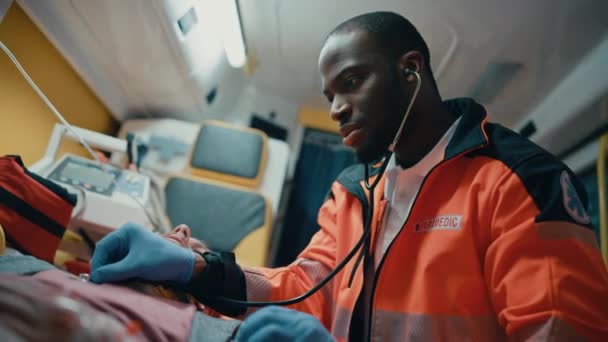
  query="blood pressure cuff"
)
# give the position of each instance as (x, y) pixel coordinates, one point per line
(34, 212)
(222, 277)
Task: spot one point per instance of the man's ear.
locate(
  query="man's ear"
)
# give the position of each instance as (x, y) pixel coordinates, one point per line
(412, 61)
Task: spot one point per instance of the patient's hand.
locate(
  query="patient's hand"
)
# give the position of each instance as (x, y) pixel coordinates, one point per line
(134, 252)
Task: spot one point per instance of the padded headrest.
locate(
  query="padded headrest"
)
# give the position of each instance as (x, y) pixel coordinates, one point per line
(229, 153)
(218, 214)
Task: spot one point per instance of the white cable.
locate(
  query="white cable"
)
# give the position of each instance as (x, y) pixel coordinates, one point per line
(73, 131)
(47, 102)
(393, 145)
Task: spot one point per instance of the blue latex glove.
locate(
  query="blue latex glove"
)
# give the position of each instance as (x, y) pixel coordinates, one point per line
(275, 323)
(134, 252)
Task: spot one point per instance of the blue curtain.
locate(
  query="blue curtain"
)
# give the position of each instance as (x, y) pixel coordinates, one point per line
(322, 158)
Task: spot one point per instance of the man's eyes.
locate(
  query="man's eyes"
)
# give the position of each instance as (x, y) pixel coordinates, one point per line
(347, 84)
(352, 82)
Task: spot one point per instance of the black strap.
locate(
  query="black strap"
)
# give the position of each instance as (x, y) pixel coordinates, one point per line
(10, 242)
(30, 213)
(222, 277)
(52, 186)
(234, 279)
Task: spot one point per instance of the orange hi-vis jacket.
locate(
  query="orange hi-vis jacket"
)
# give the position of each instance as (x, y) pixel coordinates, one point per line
(497, 246)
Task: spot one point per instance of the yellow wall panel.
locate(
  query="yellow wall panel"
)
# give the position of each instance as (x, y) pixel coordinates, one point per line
(318, 119)
(25, 121)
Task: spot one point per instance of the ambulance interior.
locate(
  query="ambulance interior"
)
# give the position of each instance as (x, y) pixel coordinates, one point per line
(210, 113)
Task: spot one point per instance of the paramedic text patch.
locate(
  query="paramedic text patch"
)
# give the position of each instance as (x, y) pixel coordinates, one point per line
(445, 222)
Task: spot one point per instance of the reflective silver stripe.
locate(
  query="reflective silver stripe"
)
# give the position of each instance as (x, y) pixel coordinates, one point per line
(557, 230)
(554, 329)
(341, 323)
(259, 289)
(316, 271)
(394, 326)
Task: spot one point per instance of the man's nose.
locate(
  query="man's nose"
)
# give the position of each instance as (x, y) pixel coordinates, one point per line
(340, 109)
(183, 229)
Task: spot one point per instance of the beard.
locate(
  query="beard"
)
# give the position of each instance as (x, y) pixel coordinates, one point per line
(390, 103)
(376, 146)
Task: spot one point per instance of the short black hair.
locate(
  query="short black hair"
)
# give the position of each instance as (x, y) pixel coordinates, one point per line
(394, 34)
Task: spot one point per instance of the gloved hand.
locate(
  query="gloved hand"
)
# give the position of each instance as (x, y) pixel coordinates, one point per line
(276, 323)
(134, 252)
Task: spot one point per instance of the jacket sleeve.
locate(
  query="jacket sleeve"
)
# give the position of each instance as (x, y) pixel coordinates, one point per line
(313, 264)
(544, 271)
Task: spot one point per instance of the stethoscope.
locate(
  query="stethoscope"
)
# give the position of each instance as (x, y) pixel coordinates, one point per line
(368, 220)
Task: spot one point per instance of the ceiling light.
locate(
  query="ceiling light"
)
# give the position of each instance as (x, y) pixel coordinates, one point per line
(232, 33)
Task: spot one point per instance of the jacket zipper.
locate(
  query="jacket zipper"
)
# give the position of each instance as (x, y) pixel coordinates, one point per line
(372, 292)
(368, 322)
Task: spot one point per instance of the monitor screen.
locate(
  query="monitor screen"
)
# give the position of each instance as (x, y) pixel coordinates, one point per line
(87, 174)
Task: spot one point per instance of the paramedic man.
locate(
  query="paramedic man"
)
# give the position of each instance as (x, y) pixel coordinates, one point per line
(477, 232)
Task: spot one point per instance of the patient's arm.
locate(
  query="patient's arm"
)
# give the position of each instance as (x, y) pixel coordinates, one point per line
(163, 291)
(30, 311)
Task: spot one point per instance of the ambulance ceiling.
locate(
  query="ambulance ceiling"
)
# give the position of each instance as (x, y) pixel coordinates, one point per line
(509, 53)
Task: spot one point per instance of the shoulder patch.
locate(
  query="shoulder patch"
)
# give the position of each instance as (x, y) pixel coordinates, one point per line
(572, 203)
